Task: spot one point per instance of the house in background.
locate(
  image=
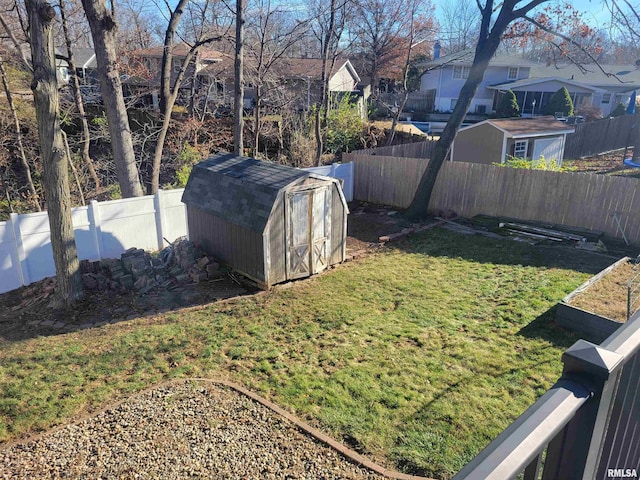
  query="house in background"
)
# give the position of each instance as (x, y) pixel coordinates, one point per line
(86, 65)
(444, 77)
(146, 65)
(495, 140)
(533, 83)
(291, 83)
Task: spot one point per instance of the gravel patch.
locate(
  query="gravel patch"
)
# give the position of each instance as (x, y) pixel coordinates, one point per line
(180, 430)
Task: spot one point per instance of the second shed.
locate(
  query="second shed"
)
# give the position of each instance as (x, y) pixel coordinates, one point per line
(270, 222)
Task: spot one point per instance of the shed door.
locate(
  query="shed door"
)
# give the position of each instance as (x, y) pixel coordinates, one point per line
(308, 231)
(550, 148)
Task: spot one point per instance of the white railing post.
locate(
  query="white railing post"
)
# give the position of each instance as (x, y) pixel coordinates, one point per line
(158, 205)
(19, 257)
(94, 226)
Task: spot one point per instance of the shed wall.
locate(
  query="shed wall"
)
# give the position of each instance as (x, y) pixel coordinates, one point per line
(481, 144)
(338, 225)
(277, 242)
(234, 245)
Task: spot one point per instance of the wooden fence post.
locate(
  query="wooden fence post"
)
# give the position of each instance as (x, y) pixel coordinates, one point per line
(19, 255)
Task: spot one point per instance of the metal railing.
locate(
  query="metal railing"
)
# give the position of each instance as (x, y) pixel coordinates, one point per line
(586, 426)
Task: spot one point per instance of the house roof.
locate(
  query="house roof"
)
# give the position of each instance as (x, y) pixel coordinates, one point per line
(620, 77)
(180, 50)
(465, 57)
(239, 189)
(85, 58)
(287, 68)
(526, 127)
(527, 82)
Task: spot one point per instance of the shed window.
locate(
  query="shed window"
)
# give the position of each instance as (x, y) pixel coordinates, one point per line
(513, 73)
(460, 72)
(606, 98)
(520, 149)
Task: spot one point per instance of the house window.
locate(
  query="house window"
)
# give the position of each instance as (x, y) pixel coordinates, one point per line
(460, 72)
(176, 64)
(606, 98)
(452, 105)
(513, 73)
(520, 149)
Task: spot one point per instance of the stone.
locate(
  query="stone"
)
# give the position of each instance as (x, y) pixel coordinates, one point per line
(160, 279)
(213, 267)
(126, 281)
(140, 283)
(182, 278)
(198, 276)
(89, 281)
(202, 262)
(215, 274)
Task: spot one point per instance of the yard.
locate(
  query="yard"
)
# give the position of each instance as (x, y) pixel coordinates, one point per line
(417, 355)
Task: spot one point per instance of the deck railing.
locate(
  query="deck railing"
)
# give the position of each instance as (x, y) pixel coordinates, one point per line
(586, 426)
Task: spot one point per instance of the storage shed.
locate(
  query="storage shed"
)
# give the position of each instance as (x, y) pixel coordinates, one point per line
(494, 140)
(269, 222)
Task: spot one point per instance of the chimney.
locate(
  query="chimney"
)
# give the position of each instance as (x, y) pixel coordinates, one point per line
(436, 49)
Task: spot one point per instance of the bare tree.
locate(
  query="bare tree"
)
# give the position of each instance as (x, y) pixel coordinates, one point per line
(460, 24)
(271, 34)
(238, 101)
(16, 123)
(494, 22)
(169, 90)
(329, 25)
(416, 27)
(56, 182)
(104, 33)
(77, 97)
(378, 26)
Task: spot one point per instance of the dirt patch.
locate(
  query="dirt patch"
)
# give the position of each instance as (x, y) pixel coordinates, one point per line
(26, 312)
(608, 296)
(605, 164)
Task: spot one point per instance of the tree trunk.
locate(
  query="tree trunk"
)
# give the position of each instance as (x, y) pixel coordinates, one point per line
(56, 181)
(238, 110)
(256, 120)
(103, 32)
(321, 116)
(77, 96)
(16, 125)
(485, 49)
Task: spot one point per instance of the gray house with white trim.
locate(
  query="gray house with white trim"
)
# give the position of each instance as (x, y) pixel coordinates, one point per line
(533, 83)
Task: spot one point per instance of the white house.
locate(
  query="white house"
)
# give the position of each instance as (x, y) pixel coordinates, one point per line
(533, 83)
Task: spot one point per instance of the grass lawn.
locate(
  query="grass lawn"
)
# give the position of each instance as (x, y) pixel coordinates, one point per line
(417, 356)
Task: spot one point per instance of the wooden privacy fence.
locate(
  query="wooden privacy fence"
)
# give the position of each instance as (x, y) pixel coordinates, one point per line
(410, 150)
(595, 202)
(601, 136)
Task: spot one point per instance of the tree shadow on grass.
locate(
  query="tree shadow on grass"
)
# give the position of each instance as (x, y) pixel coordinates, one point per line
(544, 327)
(439, 242)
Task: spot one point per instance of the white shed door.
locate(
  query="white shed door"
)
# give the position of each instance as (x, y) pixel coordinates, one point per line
(550, 148)
(308, 232)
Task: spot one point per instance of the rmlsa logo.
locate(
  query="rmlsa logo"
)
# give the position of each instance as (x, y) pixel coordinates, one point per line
(622, 473)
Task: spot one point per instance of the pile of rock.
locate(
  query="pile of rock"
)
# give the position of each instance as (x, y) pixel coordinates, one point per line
(136, 270)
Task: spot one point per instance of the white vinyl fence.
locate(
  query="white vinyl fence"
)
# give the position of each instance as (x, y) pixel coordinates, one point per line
(106, 230)
(102, 230)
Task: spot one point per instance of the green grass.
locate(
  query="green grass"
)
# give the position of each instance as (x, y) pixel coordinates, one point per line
(417, 356)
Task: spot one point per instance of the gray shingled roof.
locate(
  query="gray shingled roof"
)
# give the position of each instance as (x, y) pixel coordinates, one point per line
(239, 189)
